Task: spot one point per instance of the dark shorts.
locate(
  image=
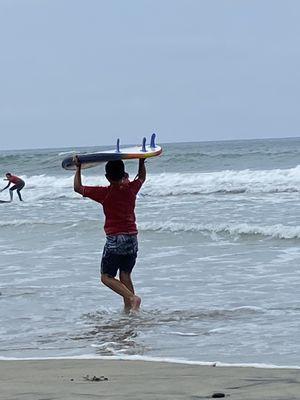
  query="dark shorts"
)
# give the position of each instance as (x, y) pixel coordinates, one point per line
(119, 253)
(19, 186)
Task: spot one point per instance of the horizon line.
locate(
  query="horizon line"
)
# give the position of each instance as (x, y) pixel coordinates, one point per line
(161, 143)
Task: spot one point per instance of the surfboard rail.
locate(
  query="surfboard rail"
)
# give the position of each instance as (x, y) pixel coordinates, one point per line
(90, 160)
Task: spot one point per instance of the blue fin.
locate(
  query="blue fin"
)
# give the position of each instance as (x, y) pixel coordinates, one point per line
(144, 145)
(152, 141)
(118, 146)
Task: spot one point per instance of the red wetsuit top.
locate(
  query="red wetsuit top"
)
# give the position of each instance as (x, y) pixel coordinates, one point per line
(15, 179)
(118, 203)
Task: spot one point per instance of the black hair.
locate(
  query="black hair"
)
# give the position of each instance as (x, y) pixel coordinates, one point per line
(115, 170)
(8, 173)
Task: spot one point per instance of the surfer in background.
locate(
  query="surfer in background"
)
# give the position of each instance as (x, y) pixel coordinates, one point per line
(18, 185)
(120, 250)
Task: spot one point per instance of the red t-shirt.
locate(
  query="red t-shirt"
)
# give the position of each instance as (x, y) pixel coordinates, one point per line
(118, 203)
(15, 179)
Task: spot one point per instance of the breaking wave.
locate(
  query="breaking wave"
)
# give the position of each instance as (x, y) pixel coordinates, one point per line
(278, 231)
(176, 184)
(224, 182)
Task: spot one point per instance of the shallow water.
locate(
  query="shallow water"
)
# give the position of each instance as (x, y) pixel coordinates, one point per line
(218, 266)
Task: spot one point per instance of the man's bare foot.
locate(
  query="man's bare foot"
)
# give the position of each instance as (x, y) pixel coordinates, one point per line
(135, 303)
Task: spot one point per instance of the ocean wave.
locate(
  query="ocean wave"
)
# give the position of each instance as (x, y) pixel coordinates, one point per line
(277, 231)
(176, 184)
(224, 182)
(48, 222)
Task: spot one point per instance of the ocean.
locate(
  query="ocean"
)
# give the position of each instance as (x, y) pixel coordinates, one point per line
(218, 265)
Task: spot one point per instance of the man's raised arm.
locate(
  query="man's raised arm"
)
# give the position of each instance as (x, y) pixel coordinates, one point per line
(142, 170)
(77, 177)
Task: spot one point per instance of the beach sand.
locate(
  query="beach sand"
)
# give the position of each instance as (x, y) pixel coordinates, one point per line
(72, 379)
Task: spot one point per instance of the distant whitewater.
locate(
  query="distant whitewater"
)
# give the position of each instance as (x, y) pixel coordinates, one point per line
(218, 266)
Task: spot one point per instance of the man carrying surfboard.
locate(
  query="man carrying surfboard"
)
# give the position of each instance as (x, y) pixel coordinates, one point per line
(118, 202)
(18, 185)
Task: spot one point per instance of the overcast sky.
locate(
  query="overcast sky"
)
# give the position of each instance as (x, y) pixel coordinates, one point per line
(82, 73)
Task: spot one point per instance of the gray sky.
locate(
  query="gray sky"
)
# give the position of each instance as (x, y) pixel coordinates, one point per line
(81, 73)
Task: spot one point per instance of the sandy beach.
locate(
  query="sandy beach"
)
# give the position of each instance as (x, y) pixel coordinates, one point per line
(98, 379)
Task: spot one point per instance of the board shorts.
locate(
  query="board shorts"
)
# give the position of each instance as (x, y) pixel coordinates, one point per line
(119, 253)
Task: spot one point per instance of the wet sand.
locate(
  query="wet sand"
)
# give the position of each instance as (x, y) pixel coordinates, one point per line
(140, 380)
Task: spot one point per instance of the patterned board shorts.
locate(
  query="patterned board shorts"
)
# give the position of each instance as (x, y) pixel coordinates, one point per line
(119, 253)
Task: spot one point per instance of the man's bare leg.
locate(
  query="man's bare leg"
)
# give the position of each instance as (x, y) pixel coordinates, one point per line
(119, 287)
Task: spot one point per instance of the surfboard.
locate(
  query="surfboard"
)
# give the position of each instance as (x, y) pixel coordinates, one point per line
(4, 201)
(89, 160)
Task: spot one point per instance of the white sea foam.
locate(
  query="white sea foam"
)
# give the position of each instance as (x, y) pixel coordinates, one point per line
(63, 153)
(153, 359)
(227, 181)
(175, 184)
(276, 231)
(184, 334)
(25, 222)
(56, 182)
(45, 187)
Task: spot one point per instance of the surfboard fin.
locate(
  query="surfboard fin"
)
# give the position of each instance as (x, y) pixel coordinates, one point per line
(118, 146)
(152, 141)
(144, 145)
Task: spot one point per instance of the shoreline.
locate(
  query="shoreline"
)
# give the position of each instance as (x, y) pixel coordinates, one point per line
(67, 379)
(168, 360)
